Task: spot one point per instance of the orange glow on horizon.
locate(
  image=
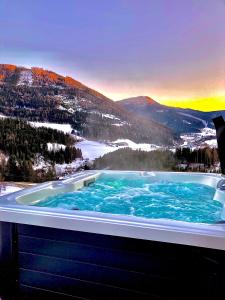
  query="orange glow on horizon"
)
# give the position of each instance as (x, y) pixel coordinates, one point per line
(208, 100)
(213, 103)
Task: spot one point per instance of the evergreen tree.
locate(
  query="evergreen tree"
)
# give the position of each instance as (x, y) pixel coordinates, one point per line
(22, 143)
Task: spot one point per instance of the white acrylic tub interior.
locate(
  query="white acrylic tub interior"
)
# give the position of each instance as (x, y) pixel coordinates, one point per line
(19, 208)
(76, 182)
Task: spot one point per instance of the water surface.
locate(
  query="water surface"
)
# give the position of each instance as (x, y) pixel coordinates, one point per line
(132, 194)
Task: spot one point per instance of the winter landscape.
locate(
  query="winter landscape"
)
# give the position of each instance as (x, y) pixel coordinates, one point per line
(52, 126)
(135, 87)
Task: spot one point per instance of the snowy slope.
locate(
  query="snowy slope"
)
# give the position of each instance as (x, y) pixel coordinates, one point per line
(66, 128)
(92, 149)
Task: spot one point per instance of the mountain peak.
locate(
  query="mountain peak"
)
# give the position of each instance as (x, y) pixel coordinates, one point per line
(139, 100)
(150, 100)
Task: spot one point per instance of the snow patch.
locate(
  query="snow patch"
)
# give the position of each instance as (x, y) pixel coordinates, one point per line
(62, 169)
(55, 146)
(118, 124)
(70, 110)
(134, 146)
(110, 116)
(8, 189)
(3, 117)
(40, 163)
(208, 132)
(25, 78)
(212, 143)
(186, 122)
(66, 128)
(60, 107)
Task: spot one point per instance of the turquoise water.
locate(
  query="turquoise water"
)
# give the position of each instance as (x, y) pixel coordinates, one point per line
(143, 197)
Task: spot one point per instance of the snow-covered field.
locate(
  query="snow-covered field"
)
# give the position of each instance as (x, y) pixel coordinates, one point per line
(134, 146)
(66, 128)
(92, 149)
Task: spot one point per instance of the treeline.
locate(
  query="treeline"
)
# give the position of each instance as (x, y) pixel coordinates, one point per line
(36, 104)
(128, 159)
(160, 160)
(207, 156)
(21, 145)
(22, 170)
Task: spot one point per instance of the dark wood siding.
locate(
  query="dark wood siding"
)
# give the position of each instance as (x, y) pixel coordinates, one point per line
(8, 261)
(62, 264)
(93, 266)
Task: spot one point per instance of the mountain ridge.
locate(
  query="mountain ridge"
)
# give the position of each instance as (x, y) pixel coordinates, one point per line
(36, 94)
(37, 76)
(180, 120)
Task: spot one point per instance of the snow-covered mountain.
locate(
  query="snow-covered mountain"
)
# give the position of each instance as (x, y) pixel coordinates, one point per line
(181, 121)
(43, 96)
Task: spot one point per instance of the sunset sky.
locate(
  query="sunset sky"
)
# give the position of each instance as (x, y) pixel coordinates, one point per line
(170, 50)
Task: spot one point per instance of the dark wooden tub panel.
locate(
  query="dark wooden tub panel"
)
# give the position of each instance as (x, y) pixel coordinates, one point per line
(62, 264)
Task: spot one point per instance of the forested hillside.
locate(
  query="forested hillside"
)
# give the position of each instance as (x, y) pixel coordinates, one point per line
(22, 146)
(128, 159)
(185, 159)
(39, 95)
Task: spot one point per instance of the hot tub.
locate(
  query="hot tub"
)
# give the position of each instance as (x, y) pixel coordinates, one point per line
(150, 195)
(64, 253)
